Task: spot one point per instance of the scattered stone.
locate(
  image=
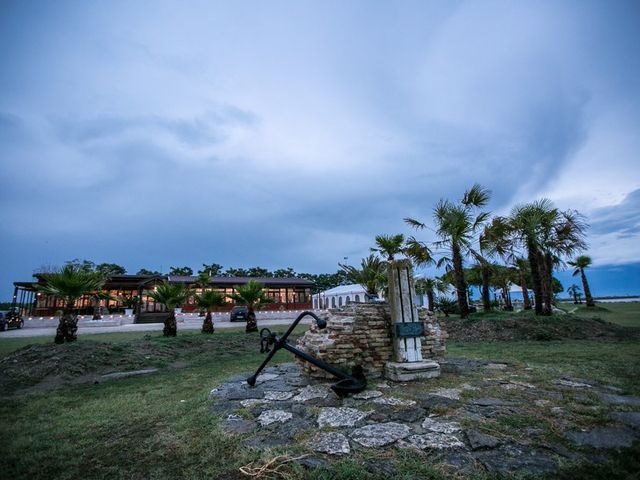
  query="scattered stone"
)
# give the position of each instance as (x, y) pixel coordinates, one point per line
(333, 443)
(272, 416)
(407, 415)
(430, 401)
(571, 384)
(238, 425)
(266, 377)
(479, 440)
(310, 392)
(626, 400)
(394, 401)
(263, 442)
(252, 402)
(492, 402)
(380, 434)
(311, 463)
(434, 440)
(451, 393)
(367, 395)
(132, 373)
(508, 459)
(440, 426)
(603, 437)
(383, 385)
(466, 386)
(496, 366)
(631, 419)
(541, 403)
(340, 417)
(277, 396)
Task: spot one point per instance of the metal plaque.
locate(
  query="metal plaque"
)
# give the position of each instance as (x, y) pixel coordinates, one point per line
(409, 329)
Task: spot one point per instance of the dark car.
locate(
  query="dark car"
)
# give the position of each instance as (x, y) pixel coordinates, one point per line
(238, 314)
(10, 319)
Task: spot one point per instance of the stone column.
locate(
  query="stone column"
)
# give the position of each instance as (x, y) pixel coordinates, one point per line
(407, 329)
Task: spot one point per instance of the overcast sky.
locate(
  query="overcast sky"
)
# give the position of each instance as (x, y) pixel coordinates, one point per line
(152, 133)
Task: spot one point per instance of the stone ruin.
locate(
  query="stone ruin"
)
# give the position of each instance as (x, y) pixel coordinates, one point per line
(364, 334)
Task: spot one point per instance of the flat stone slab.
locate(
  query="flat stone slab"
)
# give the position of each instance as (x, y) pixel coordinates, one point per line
(380, 434)
(450, 393)
(563, 382)
(479, 440)
(631, 419)
(434, 441)
(333, 443)
(312, 391)
(132, 373)
(367, 395)
(237, 424)
(626, 400)
(603, 437)
(508, 459)
(277, 396)
(394, 401)
(252, 402)
(440, 426)
(269, 417)
(492, 402)
(340, 417)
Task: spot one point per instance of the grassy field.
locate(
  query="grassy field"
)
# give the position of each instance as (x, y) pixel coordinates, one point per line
(159, 426)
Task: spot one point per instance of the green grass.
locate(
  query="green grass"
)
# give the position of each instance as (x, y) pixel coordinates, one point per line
(160, 426)
(625, 314)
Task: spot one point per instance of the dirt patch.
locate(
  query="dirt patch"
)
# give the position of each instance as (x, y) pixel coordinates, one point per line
(43, 367)
(518, 328)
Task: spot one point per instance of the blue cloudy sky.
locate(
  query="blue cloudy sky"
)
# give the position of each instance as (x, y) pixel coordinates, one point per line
(288, 133)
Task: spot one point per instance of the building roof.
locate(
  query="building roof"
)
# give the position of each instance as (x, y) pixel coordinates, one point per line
(344, 290)
(298, 282)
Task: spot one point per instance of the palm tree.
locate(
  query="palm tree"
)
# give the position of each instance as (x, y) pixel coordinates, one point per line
(69, 284)
(574, 291)
(206, 301)
(389, 245)
(429, 286)
(203, 280)
(371, 275)
(252, 295)
(171, 296)
(97, 297)
(456, 225)
(580, 263)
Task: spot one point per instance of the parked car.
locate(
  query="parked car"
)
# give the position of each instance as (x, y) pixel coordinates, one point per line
(238, 314)
(10, 319)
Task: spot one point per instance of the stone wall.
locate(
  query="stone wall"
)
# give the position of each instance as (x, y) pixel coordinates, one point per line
(360, 334)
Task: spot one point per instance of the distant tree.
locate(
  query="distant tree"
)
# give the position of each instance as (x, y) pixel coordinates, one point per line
(389, 246)
(574, 291)
(212, 269)
(181, 271)
(69, 284)
(236, 272)
(253, 295)
(109, 269)
(429, 286)
(84, 265)
(556, 286)
(259, 272)
(580, 264)
(97, 297)
(171, 296)
(144, 271)
(285, 273)
(207, 301)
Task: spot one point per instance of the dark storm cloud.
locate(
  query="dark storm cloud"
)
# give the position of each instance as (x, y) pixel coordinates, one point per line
(151, 135)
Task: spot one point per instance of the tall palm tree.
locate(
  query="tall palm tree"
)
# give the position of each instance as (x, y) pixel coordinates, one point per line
(574, 291)
(171, 296)
(252, 295)
(389, 246)
(69, 284)
(457, 225)
(580, 264)
(371, 275)
(206, 301)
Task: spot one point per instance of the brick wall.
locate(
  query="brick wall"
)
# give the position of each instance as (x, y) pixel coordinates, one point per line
(360, 334)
